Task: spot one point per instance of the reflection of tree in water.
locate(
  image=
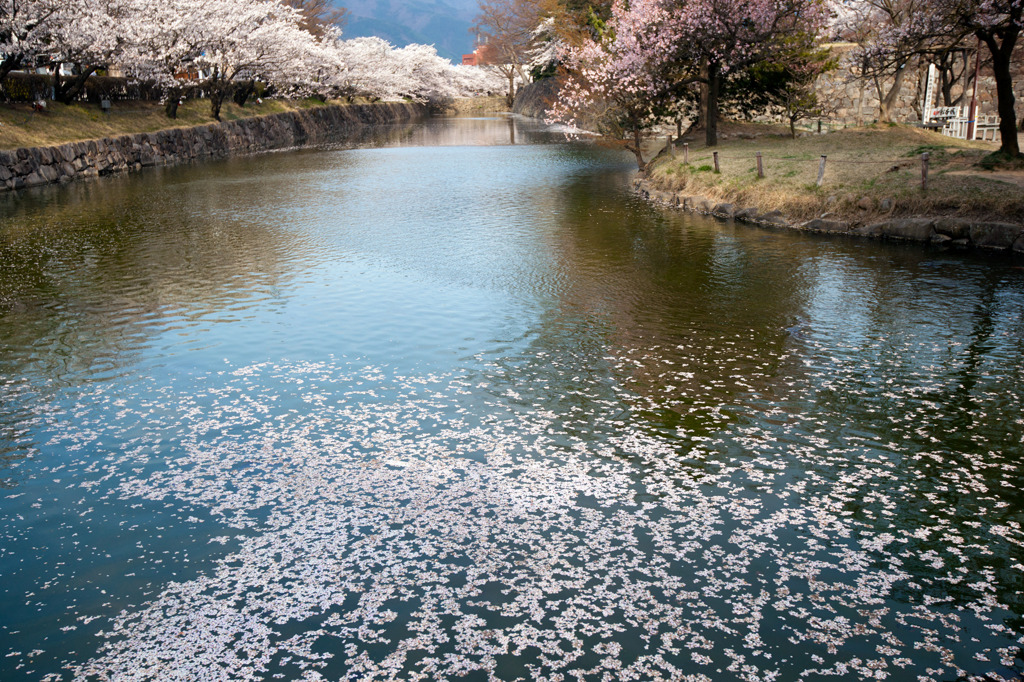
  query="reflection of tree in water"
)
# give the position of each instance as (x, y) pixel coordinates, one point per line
(692, 311)
(93, 271)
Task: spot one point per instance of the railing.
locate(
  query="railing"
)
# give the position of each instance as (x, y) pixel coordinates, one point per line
(957, 122)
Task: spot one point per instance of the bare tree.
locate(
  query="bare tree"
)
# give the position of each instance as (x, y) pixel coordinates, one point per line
(887, 50)
(318, 15)
(508, 28)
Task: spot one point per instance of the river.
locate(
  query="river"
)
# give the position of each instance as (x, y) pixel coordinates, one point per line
(452, 403)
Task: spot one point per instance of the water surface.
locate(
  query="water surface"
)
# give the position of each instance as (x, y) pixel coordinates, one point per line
(453, 404)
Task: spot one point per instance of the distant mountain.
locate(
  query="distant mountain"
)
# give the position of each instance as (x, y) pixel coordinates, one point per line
(441, 23)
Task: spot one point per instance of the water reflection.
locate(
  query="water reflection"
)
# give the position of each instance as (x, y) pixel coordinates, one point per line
(453, 402)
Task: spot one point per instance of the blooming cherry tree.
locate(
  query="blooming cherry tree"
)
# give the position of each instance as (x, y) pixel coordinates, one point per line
(25, 30)
(617, 82)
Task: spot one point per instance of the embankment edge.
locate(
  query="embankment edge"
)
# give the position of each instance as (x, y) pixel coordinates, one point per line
(950, 231)
(33, 166)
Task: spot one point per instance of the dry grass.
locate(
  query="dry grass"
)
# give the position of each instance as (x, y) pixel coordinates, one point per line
(865, 166)
(21, 127)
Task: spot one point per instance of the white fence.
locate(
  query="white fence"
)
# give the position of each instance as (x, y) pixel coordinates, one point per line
(956, 122)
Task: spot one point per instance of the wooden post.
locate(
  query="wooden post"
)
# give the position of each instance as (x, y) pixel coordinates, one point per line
(760, 168)
(819, 126)
(686, 153)
(821, 170)
(715, 154)
(924, 171)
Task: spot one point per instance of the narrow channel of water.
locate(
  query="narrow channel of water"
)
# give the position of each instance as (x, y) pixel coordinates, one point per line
(453, 404)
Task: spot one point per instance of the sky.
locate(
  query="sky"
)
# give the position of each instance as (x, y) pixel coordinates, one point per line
(441, 23)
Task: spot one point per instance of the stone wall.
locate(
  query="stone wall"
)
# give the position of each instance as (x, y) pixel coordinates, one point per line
(534, 99)
(62, 163)
(855, 102)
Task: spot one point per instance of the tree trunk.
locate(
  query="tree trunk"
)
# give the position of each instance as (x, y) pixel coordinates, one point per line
(948, 77)
(243, 92)
(218, 89)
(10, 63)
(56, 83)
(510, 98)
(887, 102)
(72, 91)
(171, 105)
(714, 77)
(1001, 58)
(523, 76)
(792, 127)
(637, 150)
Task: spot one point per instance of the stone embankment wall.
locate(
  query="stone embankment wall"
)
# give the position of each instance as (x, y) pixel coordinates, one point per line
(29, 167)
(852, 101)
(477, 106)
(941, 230)
(536, 98)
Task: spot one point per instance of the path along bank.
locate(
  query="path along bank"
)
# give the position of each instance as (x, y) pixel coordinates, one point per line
(29, 167)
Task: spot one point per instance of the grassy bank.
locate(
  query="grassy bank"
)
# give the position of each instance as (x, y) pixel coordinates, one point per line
(21, 127)
(870, 173)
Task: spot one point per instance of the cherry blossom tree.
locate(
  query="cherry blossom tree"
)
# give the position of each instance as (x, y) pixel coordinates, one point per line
(652, 49)
(718, 36)
(318, 17)
(245, 40)
(25, 30)
(223, 48)
(83, 38)
(617, 81)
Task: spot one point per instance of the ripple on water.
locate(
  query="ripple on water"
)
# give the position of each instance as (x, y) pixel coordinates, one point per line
(517, 426)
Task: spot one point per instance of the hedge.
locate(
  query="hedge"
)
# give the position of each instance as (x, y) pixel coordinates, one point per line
(20, 86)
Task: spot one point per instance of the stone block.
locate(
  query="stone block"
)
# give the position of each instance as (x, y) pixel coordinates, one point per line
(909, 229)
(995, 235)
(774, 218)
(33, 180)
(875, 230)
(954, 228)
(724, 210)
(49, 172)
(825, 225)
